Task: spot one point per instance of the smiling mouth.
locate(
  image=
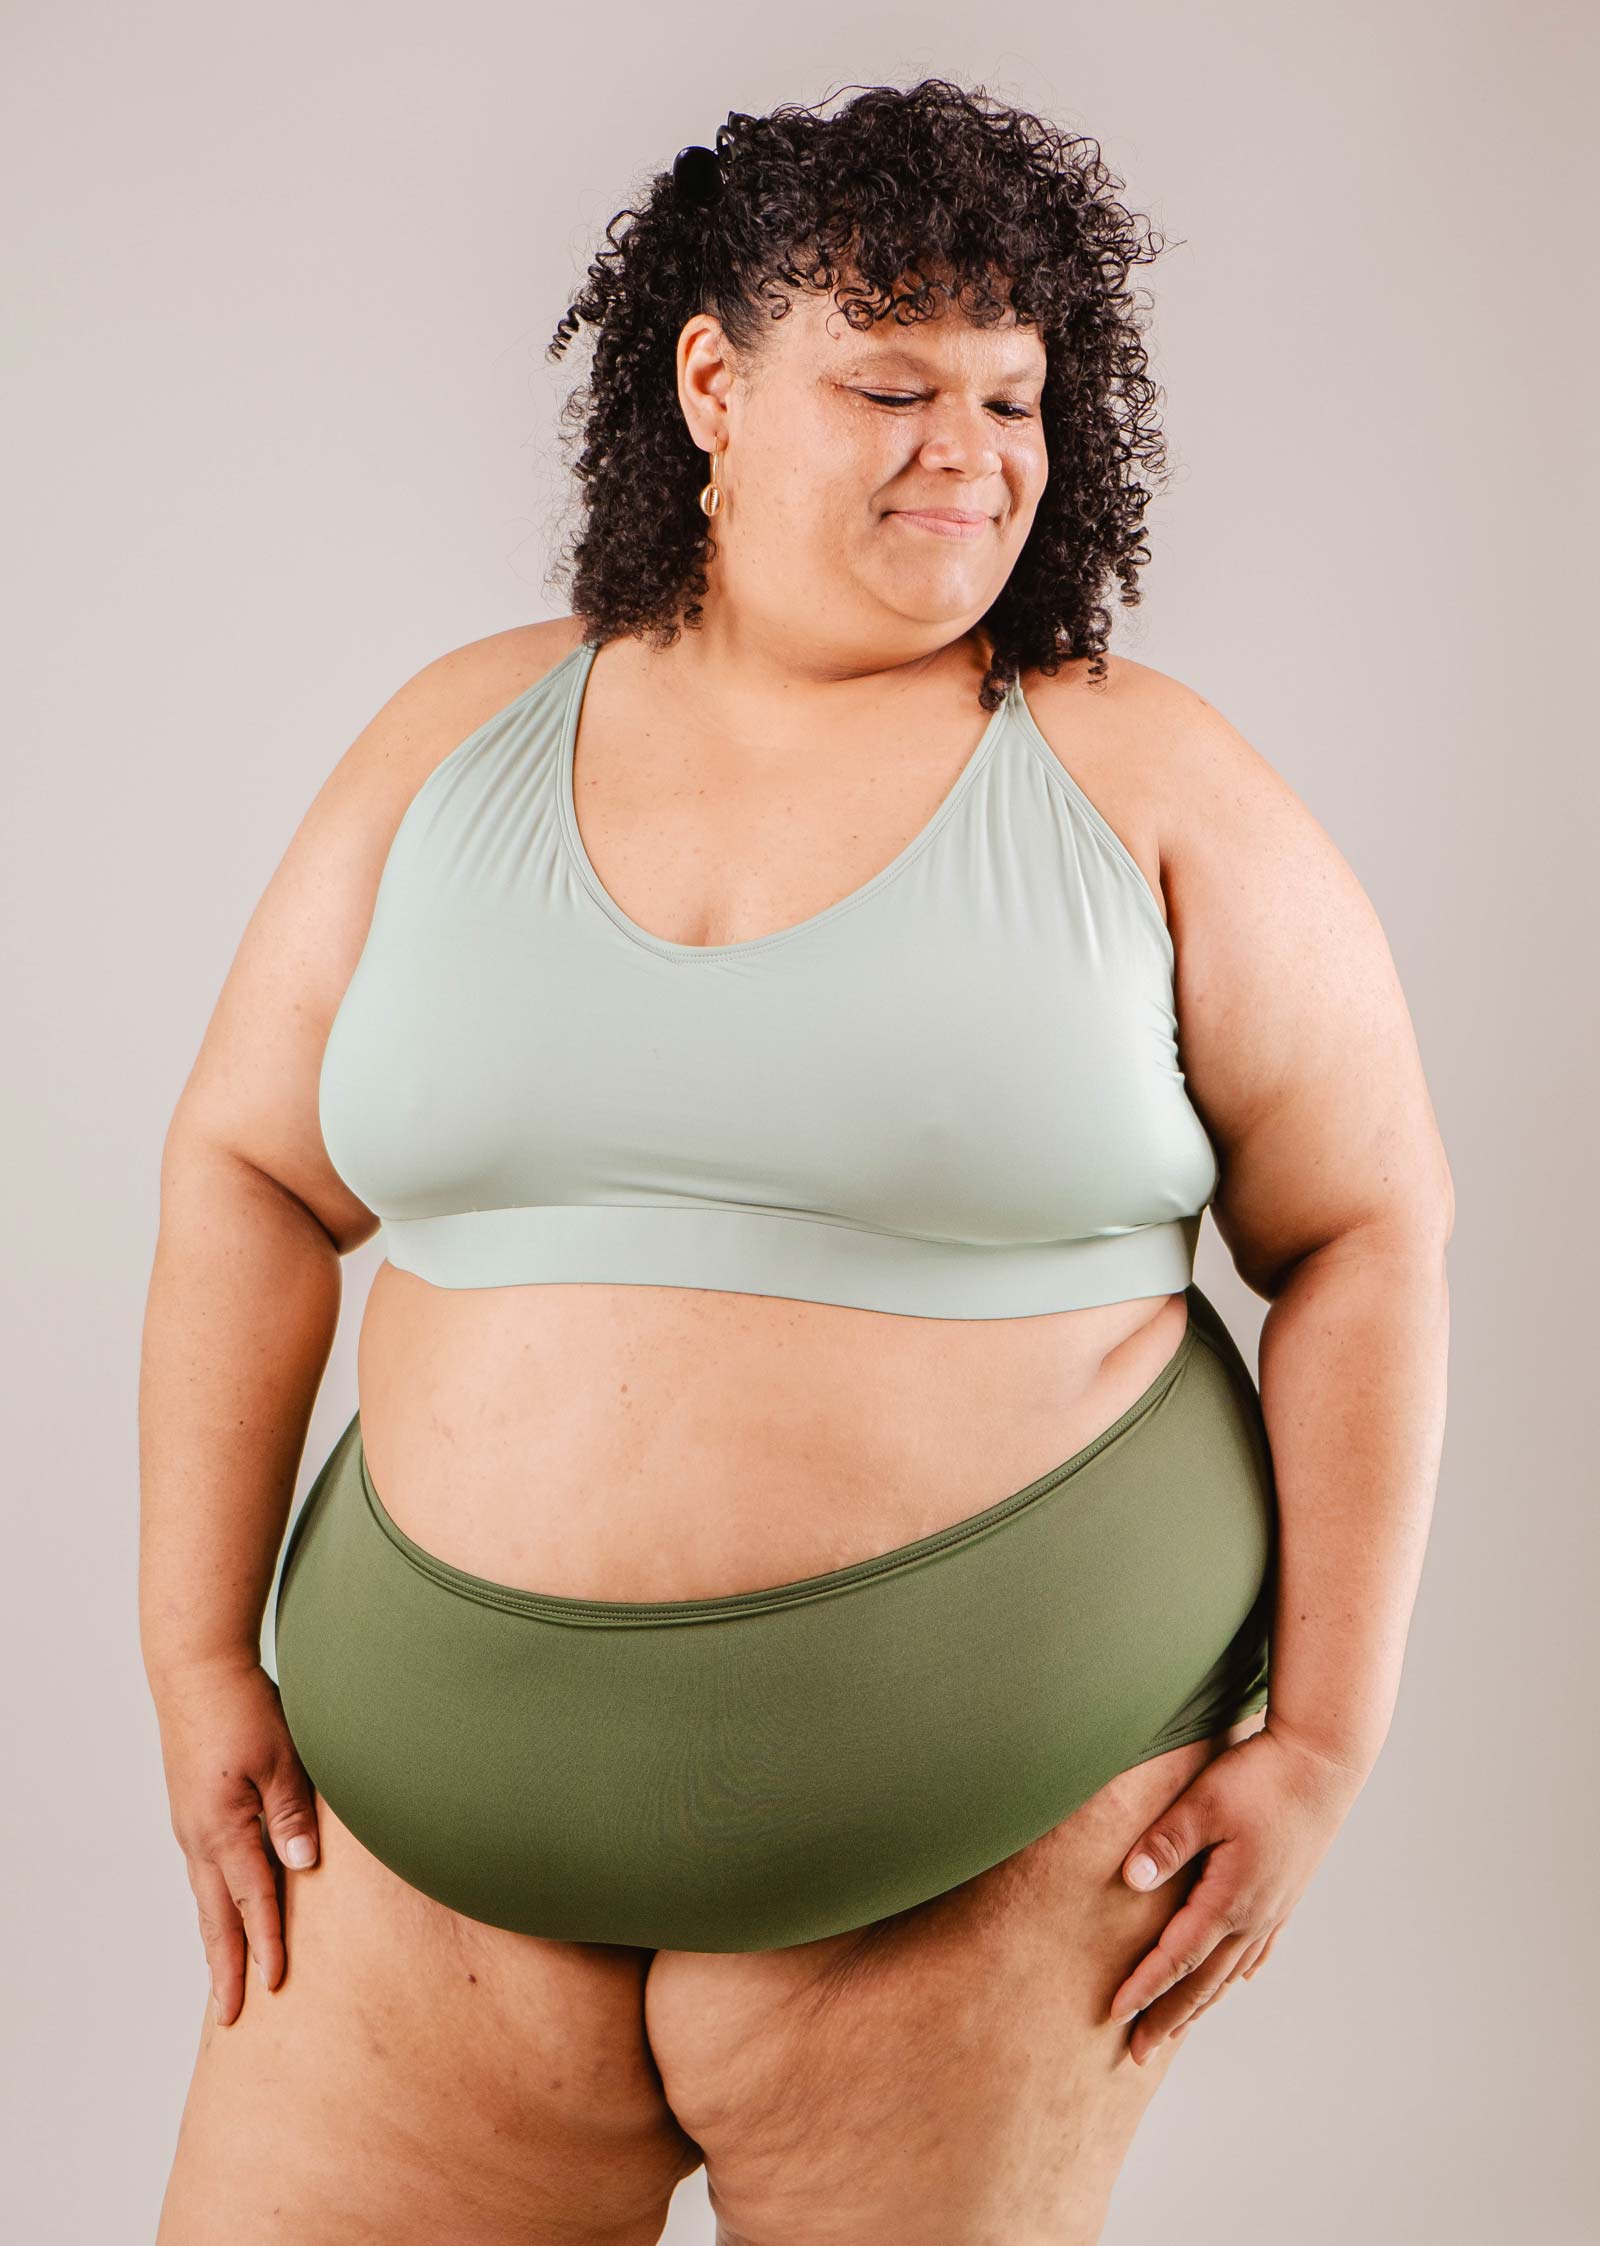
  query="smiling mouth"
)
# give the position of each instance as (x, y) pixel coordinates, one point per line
(944, 522)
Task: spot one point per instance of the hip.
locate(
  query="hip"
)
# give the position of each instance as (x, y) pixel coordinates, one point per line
(771, 1766)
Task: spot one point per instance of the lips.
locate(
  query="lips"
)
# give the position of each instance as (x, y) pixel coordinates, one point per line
(946, 522)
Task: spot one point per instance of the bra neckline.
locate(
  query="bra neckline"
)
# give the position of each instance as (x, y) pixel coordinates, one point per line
(664, 946)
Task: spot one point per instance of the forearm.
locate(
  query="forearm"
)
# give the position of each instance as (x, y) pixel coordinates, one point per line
(240, 1318)
(1353, 1381)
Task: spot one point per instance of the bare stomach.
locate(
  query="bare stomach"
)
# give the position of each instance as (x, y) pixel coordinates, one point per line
(634, 1443)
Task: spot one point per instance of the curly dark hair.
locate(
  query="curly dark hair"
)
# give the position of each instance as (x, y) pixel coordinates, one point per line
(901, 201)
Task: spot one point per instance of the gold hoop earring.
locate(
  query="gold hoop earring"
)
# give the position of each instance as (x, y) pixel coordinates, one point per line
(711, 493)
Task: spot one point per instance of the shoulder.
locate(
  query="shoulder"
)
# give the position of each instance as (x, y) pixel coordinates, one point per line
(1116, 738)
(501, 665)
(450, 697)
(1145, 730)
(345, 838)
(1161, 763)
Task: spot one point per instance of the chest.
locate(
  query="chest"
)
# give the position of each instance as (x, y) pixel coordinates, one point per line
(707, 846)
(974, 1043)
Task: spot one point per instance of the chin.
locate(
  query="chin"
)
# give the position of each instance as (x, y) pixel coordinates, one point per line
(954, 606)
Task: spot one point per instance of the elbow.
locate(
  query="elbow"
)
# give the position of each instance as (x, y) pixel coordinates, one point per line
(1411, 1231)
(1411, 1237)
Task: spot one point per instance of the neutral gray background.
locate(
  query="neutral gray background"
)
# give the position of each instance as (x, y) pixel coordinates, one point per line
(278, 430)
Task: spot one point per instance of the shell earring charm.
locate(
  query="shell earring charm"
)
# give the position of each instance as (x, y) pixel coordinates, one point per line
(711, 493)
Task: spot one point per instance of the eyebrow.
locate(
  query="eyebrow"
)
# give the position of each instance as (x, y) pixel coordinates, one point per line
(894, 355)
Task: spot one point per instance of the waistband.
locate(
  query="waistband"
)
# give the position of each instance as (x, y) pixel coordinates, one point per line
(785, 1253)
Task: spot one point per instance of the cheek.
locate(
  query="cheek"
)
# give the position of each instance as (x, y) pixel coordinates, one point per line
(1030, 467)
(830, 505)
(808, 492)
(1027, 479)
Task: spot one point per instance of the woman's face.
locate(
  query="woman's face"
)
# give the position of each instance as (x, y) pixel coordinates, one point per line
(848, 453)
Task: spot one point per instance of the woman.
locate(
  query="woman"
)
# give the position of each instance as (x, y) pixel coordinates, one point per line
(773, 1673)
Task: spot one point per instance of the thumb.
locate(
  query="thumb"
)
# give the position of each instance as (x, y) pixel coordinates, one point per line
(1165, 1847)
(289, 1815)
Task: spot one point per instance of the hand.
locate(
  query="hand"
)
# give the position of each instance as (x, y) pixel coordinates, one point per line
(1264, 1810)
(232, 1777)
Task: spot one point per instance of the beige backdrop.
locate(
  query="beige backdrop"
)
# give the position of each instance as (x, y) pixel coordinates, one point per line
(280, 430)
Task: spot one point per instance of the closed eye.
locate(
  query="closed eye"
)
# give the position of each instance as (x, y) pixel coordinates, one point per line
(1011, 411)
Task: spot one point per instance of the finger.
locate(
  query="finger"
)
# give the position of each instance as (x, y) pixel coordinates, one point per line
(1179, 1834)
(1181, 2004)
(221, 1936)
(1252, 1956)
(1236, 1970)
(1204, 2005)
(253, 1886)
(1264, 1953)
(1178, 2033)
(290, 1817)
(1187, 1940)
(1172, 2019)
(1252, 1948)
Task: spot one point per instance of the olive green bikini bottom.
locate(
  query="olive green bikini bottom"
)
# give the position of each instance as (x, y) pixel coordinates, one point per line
(777, 1765)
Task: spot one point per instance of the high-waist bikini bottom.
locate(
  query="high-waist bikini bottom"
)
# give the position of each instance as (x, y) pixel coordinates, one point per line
(776, 1765)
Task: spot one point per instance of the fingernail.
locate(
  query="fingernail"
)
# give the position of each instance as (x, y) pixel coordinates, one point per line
(262, 1970)
(1142, 1871)
(300, 1852)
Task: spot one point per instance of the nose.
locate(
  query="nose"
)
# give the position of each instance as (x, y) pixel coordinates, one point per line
(960, 437)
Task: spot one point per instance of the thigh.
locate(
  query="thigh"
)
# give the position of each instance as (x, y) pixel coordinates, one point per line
(948, 2073)
(417, 2076)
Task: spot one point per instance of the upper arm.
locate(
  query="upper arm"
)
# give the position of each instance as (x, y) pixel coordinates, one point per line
(252, 1090)
(1295, 1039)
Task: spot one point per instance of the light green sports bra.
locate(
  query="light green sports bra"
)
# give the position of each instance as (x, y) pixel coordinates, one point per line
(955, 1093)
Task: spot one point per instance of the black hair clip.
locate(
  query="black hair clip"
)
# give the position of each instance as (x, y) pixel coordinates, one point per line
(697, 175)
